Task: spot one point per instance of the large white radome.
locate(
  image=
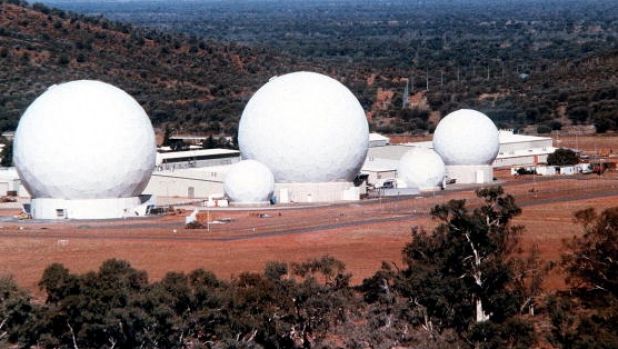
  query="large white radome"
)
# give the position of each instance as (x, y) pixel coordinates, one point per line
(84, 140)
(421, 168)
(249, 181)
(466, 137)
(306, 127)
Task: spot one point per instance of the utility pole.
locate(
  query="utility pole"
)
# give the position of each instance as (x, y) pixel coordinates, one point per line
(406, 95)
(426, 79)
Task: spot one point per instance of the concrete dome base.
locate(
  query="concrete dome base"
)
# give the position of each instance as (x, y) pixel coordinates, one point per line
(45, 208)
(316, 192)
(470, 174)
(250, 204)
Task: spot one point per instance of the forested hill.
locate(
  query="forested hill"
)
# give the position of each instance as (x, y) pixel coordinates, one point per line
(558, 69)
(181, 80)
(540, 64)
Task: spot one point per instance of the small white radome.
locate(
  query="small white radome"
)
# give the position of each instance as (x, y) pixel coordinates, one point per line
(305, 127)
(466, 137)
(421, 168)
(84, 140)
(249, 181)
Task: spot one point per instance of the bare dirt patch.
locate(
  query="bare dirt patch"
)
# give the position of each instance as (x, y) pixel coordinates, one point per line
(362, 235)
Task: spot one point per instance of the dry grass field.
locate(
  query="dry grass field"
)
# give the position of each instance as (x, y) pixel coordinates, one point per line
(362, 235)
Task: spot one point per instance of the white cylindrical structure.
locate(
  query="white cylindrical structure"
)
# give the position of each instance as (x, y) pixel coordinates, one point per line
(84, 149)
(466, 137)
(307, 128)
(421, 168)
(468, 142)
(249, 182)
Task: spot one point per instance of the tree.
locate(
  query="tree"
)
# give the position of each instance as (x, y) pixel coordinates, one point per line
(461, 276)
(587, 315)
(15, 310)
(591, 260)
(7, 155)
(166, 136)
(562, 157)
(210, 143)
(63, 59)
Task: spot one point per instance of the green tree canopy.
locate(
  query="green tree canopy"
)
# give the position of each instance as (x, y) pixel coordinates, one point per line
(562, 157)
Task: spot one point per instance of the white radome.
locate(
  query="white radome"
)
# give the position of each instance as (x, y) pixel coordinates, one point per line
(249, 181)
(466, 137)
(421, 168)
(84, 140)
(305, 127)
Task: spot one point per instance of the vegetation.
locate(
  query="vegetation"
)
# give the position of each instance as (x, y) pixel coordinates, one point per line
(587, 316)
(184, 83)
(7, 154)
(467, 284)
(562, 157)
(544, 64)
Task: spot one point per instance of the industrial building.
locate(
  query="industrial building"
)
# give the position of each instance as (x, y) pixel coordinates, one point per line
(191, 183)
(515, 151)
(10, 183)
(522, 150)
(378, 140)
(311, 132)
(303, 138)
(85, 150)
(196, 158)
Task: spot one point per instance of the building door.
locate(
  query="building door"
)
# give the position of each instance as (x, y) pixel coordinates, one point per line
(191, 192)
(4, 188)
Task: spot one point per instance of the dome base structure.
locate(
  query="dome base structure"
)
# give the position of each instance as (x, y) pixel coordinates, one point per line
(55, 209)
(316, 192)
(258, 204)
(470, 174)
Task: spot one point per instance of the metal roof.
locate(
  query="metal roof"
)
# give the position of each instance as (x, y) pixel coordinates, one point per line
(374, 136)
(379, 165)
(196, 153)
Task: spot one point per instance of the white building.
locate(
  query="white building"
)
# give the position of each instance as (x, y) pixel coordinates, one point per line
(85, 150)
(378, 140)
(191, 183)
(522, 150)
(10, 183)
(515, 151)
(196, 158)
(311, 132)
(379, 170)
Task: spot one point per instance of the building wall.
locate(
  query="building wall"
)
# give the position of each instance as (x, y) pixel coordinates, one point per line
(44, 208)
(170, 186)
(523, 161)
(392, 152)
(378, 143)
(469, 174)
(14, 185)
(313, 192)
(376, 177)
(197, 163)
(506, 148)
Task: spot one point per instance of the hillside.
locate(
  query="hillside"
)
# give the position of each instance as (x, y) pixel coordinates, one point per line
(554, 71)
(180, 81)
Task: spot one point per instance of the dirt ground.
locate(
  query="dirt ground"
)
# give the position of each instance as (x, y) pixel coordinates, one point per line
(361, 234)
(590, 143)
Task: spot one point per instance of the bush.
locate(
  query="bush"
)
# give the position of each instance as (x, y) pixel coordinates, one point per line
(543, 129)
(63, 59)
(562, 157)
